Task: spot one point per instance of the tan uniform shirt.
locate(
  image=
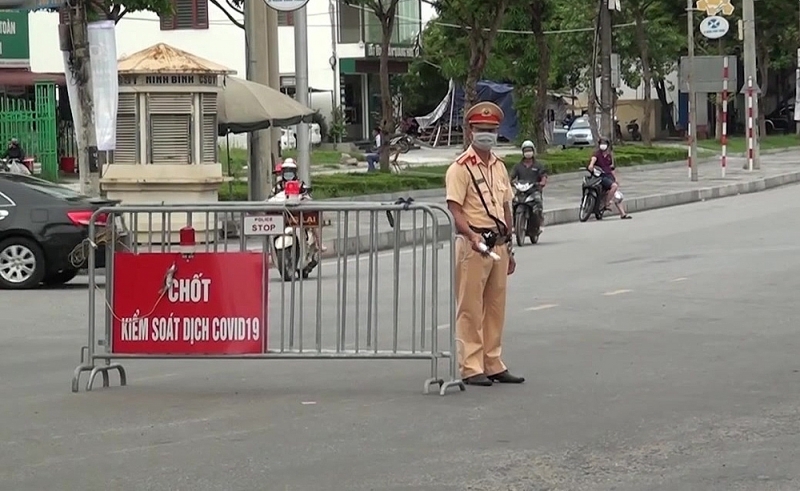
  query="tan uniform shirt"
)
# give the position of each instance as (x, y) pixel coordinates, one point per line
(493, 181)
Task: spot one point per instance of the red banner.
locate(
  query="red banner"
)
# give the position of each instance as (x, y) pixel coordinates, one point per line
(205, 303)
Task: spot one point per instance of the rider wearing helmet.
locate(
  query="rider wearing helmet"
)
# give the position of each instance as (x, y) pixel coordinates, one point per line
(605, 162)
(287, 171)
(530, 170)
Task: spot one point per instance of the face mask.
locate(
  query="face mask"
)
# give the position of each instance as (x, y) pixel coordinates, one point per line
(289, 176)
(604, 147)
(484, 140)
(527, 155)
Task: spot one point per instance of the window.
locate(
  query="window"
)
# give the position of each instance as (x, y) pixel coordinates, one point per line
(285, 18)
(170, 129)
(127, 151)
(186, 14)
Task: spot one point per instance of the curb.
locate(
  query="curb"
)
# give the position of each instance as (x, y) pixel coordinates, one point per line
(560, 216)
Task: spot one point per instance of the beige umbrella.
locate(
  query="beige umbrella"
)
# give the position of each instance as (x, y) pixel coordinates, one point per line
(246, 106)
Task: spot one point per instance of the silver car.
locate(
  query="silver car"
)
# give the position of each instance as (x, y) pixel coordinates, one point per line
(579, 134)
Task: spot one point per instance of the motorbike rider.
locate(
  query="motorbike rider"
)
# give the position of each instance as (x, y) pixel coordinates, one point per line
(605, 162)
(288, 172)
(530, 170)
(14, 151)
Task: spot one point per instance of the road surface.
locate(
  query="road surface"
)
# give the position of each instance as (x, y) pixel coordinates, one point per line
(661, 354)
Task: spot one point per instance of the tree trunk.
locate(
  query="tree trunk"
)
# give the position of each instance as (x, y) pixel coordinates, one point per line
(666, 107)
(80, 64)
(647, 75)
(540, 121)
(476, 63)
(480, 45)
(387, 108)
(763, 71)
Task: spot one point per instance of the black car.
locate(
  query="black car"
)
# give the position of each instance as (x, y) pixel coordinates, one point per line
(43, 227)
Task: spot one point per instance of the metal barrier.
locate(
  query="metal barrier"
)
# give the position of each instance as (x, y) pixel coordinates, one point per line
(184, 290)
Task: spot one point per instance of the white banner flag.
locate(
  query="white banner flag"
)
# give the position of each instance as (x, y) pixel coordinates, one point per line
(105, 85)
(105, 82)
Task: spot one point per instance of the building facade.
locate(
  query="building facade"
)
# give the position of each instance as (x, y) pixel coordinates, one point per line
(343, 48)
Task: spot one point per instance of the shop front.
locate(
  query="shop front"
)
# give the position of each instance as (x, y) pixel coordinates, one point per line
(361, 86)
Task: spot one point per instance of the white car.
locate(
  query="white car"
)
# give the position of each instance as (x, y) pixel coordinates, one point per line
(580, 134)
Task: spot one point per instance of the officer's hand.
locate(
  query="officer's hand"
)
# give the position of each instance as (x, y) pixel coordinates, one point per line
(512, 265)
(476, 241)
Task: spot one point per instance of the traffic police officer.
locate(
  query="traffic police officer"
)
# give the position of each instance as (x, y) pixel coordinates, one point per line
(479, 197)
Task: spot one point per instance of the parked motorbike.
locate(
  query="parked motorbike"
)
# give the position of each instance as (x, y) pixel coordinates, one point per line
(527, 211)
(402, 141)
(633, 131)
(291, 253)
(594, 197)
(14, 166)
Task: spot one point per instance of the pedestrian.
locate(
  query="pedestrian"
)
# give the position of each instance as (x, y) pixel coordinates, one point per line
(479, 197)
(374, 156)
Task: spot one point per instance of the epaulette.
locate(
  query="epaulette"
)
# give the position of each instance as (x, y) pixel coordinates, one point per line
(466, 158)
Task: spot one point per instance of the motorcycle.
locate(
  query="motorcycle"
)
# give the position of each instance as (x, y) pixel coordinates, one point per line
(594, 197)
(402, 141)
(527, 211)
(633, 131)
(14, 166)
(291, 253)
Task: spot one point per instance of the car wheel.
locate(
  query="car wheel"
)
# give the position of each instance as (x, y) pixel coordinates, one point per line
(21, 264)
(61, 278)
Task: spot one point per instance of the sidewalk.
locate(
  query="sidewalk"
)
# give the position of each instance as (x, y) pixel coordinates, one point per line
(645, 188)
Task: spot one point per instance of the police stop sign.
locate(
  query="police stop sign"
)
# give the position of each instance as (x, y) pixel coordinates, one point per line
(263, 225)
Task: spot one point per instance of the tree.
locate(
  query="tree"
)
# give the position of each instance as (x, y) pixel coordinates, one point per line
(479, 20)
(386, 12)
(116, 11)
(650, 52)
(529, 66)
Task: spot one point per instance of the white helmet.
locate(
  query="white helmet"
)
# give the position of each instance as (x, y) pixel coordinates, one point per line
(289, 163)
(528, 144)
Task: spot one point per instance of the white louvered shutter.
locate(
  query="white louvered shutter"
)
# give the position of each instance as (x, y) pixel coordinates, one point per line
(209, 137)
(127, 151)
(170, 128)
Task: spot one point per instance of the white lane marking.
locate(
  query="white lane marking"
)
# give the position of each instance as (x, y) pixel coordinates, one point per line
(542, 307)
(678, 279)
(616, 292)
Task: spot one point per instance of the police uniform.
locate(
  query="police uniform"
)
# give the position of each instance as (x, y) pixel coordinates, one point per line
(480, 280)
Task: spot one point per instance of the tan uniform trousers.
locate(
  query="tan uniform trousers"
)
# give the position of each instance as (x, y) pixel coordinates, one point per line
(480, 309)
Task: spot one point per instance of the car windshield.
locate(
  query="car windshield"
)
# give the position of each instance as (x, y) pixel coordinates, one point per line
(45, 187)
(580, 124)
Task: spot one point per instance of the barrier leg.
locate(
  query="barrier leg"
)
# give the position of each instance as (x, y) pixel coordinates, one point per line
(426, 389)
(123, 377)
(84, 366)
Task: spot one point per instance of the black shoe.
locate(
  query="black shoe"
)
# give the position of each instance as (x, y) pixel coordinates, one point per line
(479, 379)
(506, 378)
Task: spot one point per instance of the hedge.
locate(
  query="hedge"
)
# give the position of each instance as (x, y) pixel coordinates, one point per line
(432, 177)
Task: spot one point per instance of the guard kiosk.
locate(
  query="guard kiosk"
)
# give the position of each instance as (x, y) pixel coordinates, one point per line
(166, 138)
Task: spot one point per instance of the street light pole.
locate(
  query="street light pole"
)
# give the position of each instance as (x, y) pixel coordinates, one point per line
(692, 129)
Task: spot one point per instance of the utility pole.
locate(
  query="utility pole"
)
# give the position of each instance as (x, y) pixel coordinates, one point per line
(258, 145)
(274, 82)
(301, 91)
(80, 64)
(606, 90)
(691, 94)
(748, 19)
